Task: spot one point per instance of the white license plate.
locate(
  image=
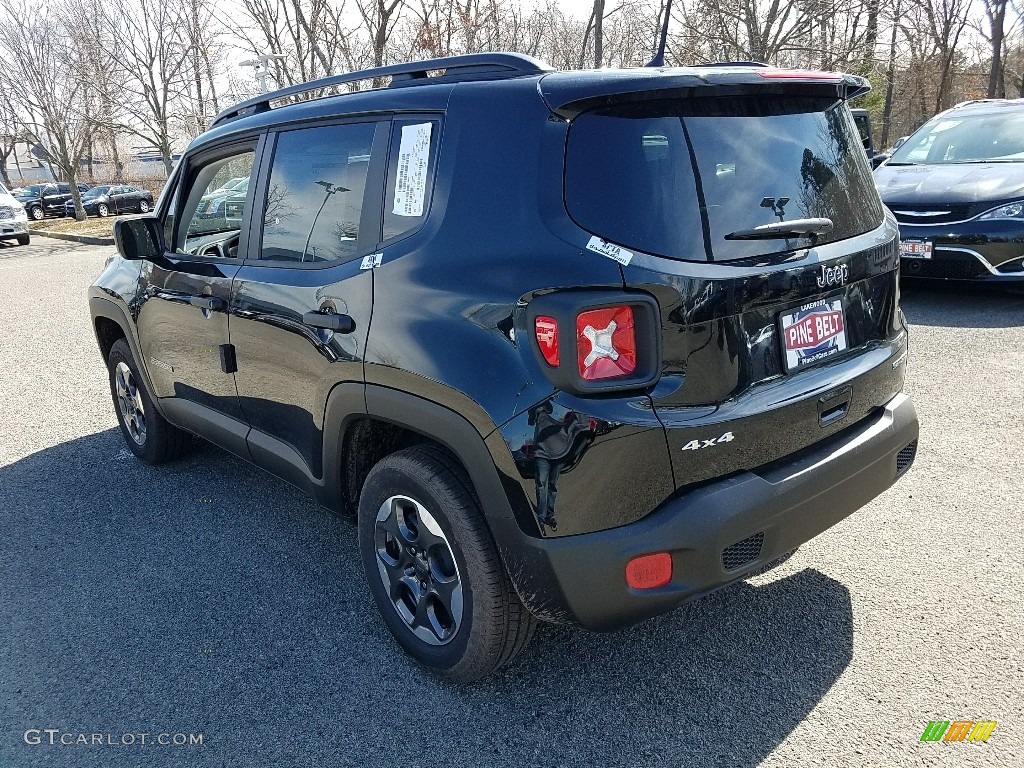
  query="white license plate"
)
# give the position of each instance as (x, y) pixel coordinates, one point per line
(916, 249)
(813, 333)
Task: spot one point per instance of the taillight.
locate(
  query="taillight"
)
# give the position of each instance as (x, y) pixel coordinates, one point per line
(546, 330)
(605, 343)
(587, 342)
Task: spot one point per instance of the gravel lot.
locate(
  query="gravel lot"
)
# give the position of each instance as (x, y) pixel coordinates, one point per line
(208, 597)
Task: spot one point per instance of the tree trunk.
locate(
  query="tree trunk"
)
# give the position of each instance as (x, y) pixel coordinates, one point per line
(598, 34)
(996, 10)
(3, 169)
(890, 76)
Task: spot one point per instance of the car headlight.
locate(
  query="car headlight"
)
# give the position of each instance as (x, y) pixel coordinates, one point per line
(1008, 211)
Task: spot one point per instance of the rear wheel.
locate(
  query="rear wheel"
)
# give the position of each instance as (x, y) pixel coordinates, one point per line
(148, 435)
(433, 568)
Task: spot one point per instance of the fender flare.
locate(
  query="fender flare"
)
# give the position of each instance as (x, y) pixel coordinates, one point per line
(105, 308)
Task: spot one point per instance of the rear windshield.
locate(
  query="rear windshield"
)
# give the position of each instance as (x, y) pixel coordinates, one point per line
(674, 177)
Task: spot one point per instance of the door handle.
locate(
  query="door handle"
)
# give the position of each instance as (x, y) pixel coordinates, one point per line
(330, 321)
(214, 303)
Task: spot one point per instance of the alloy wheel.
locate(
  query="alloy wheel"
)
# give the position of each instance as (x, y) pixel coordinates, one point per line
(129, 399)
(418, 570)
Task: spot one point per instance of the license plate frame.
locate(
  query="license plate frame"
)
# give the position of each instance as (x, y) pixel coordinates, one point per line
(914, 248)
(820, 334)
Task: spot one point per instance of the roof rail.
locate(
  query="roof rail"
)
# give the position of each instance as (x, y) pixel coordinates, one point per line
(731, 64)
(466, 66)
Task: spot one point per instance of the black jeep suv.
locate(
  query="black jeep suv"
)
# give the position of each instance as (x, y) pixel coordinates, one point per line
(576, 346)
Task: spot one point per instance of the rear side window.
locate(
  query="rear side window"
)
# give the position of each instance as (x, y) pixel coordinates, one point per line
(410, 176)
(675, 177)
(314, 200)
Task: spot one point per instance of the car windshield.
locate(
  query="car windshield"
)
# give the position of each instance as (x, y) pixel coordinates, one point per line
(680, 178)
(990, 137)
(95, 192)
(32, 190)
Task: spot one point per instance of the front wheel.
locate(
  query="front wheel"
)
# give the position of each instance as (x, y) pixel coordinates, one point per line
(37, 213)
(144, 206)
(102, 209)
(433, 568)
(24, 239)
(148, 435)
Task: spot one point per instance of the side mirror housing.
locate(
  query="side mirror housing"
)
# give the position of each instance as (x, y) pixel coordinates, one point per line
(137, 239)
(878, 159)
(899, 142)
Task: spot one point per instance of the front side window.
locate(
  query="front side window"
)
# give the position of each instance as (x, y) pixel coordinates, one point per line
(211, 217)
(314, 199)
(684, 178)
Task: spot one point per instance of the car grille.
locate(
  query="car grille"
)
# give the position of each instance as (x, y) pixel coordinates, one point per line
(6, 212)
(742, 552)
(954, 267)
(947, 213)
(906, 457)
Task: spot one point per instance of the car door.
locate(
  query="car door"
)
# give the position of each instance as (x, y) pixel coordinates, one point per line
(51, 199)
(114, 200)
(184, 295)
(300, 304)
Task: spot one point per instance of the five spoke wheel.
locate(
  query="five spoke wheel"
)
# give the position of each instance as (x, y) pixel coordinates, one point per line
(130, 401)
(418, 570)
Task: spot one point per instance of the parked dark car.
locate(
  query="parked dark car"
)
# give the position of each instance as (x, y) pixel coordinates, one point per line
(862, 119)
(113, 200)
(42, 200)
(956, 187)
(570, 346)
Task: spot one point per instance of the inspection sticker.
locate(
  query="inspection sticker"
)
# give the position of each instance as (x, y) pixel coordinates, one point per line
(411, 182)
(621, 255)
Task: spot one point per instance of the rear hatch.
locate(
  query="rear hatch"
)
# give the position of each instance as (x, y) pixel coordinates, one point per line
(771, 340)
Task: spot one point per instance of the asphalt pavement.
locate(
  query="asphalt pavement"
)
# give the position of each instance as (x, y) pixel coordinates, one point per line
(206, 599)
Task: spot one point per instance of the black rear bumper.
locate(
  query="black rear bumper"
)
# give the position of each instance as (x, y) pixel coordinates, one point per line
(715, 534)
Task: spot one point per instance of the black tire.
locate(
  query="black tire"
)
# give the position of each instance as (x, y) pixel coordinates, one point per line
(36, 212)
(143, 206)
(102, 210)
(24, 239)
(494, 625)
(160, 440)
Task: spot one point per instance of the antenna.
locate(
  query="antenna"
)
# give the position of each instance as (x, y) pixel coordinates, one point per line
(659, 57)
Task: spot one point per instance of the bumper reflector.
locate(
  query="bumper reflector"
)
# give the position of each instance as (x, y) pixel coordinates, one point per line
(649, 571)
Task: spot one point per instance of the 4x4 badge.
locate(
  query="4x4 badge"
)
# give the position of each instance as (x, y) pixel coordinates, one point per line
(837, 275)
(696, 445)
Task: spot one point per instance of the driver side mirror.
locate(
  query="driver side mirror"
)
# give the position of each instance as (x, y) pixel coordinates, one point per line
(137, 239)
(878, 159)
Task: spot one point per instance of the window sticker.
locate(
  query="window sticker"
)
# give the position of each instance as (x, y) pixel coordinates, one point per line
(411, 181)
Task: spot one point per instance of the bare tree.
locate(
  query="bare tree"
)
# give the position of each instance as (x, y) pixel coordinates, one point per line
(38, 47)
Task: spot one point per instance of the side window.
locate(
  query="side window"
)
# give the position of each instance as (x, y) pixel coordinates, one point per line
(314, 199)
(211, 213)
(411, 163)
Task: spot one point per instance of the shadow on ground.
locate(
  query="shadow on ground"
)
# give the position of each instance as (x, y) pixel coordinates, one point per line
(962, 307)
(207, 597)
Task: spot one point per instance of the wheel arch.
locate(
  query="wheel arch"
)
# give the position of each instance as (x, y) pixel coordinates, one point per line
(110, 323)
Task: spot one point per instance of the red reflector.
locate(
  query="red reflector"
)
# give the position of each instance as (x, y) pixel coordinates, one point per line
(649, 571)
(799, 74)
(605, 343)
(546, 329)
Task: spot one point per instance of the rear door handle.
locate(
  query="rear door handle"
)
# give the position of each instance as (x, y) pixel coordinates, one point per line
(330, 321)
(214, 303)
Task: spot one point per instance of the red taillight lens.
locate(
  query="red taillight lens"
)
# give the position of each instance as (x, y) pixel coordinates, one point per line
(546, 329)
(605, 343)
(649, 571)
(799, 74)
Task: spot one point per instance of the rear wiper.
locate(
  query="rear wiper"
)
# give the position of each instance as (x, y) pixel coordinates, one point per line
(784, 229)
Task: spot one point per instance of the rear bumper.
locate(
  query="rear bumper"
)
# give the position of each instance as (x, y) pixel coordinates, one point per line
(581, 578)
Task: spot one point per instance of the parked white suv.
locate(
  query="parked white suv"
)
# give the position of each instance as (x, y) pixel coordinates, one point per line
(13, 219)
